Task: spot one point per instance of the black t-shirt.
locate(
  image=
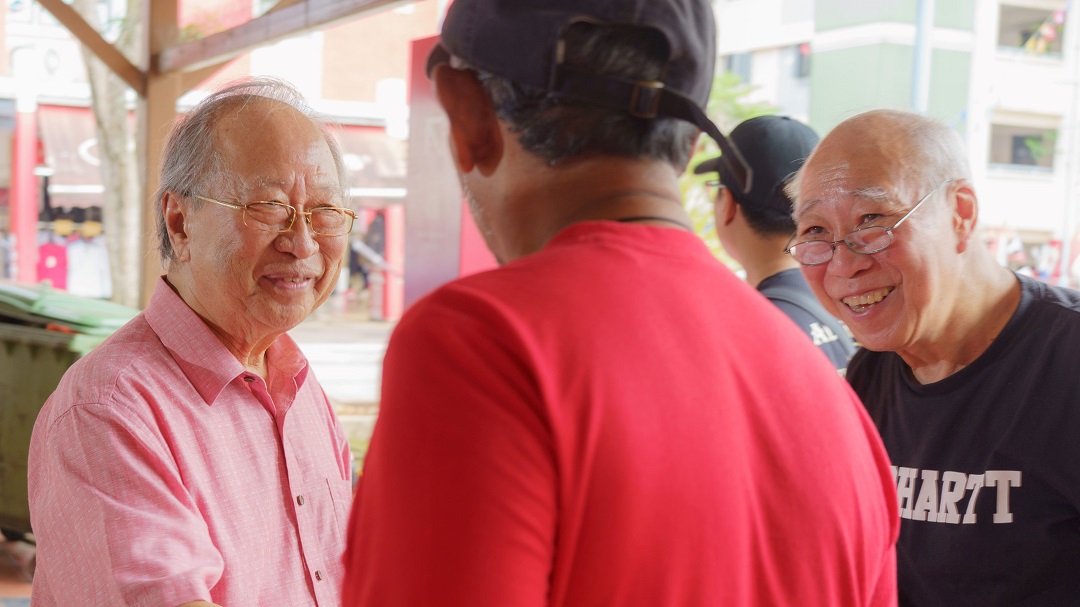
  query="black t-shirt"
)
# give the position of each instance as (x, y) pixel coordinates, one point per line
(987, 462)
(827, 333)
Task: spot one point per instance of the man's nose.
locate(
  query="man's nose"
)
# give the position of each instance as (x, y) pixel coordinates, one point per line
(848, 263)
(299, 240)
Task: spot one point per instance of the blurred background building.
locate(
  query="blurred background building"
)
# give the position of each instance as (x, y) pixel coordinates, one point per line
(1003, 73)
(355, 73)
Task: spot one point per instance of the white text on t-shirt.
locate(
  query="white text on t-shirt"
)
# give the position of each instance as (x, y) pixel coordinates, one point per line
(939, 494)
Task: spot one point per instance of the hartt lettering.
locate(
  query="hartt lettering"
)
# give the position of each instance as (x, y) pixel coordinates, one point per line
(936, 497)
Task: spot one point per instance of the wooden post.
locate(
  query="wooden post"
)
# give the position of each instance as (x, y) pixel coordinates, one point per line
(158, 110)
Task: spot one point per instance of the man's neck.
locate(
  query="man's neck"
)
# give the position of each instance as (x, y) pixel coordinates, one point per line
(762, 258)
(983, 305)
(591, 189)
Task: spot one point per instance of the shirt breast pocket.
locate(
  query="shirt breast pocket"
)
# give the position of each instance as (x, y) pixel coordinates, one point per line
(341, 497)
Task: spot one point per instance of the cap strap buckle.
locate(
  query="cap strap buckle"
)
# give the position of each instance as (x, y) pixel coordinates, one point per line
(645, 99)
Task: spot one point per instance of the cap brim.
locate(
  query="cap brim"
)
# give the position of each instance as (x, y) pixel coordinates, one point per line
(438, 55)
(709, 166)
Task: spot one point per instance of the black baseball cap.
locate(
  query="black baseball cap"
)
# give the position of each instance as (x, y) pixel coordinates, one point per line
(774, 147)
(519, 40)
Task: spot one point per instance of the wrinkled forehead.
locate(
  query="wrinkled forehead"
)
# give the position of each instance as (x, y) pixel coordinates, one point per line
(844, 168)
(271, 144)
(263, 126)
(874, 198)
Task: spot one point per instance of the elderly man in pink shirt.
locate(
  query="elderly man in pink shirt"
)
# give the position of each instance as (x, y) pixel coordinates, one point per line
(192, 458)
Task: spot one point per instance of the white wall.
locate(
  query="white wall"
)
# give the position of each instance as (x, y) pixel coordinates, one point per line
(767, 29)
(747, 25)
(1021, 200)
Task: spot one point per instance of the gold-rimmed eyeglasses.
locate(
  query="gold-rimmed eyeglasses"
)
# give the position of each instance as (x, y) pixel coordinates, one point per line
(864, 241)
(273, 216)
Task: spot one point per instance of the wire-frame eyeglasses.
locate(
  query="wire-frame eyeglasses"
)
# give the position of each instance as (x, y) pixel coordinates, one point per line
(864, 241)
(273, 216)
(713, 187)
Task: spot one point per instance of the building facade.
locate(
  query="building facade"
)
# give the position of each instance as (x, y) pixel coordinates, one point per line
(1004, 73)
(355, 73)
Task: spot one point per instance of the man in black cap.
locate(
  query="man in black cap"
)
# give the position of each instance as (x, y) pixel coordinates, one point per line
(601, 420)
(754, 226)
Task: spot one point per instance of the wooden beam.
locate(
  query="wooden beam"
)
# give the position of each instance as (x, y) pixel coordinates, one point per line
(109, 55)
(192, 79)
(282, 4)
(158, 110)
(277, 24)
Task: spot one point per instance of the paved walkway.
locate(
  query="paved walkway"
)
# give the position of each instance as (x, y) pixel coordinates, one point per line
(345, 353)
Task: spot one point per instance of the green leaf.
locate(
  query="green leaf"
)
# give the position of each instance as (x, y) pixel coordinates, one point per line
(727, 107)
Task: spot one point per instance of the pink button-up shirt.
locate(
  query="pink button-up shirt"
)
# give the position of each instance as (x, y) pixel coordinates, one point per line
(162, 472)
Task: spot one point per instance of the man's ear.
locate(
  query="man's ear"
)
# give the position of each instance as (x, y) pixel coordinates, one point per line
(475, 138)
(965, 216)
(725, 208)
(176, 216)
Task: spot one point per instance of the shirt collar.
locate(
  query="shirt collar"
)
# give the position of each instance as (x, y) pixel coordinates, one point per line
(284, 356)
(201, 356)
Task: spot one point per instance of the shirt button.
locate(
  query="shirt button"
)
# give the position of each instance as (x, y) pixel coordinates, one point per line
(300, 500)
(249, 378)
(318, 575)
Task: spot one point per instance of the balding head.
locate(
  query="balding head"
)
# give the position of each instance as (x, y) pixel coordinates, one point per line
(915, 152)
(890, 193)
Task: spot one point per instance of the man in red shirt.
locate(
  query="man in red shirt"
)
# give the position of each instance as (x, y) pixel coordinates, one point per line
(192, 458)
(612, 417)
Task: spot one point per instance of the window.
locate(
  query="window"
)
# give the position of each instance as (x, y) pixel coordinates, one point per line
(1031, 30)
(739, 64)
(1021, 151)
(1031, 148)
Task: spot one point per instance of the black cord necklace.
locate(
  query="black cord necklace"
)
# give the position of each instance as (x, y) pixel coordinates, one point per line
(637, 218)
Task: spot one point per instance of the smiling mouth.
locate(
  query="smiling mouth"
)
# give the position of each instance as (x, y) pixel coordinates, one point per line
(862, 303)
(291, 282)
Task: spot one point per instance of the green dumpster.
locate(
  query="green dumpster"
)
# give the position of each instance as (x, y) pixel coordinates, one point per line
(42, 332)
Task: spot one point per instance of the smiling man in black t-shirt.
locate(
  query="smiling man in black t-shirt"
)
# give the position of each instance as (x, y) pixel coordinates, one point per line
(969, 370)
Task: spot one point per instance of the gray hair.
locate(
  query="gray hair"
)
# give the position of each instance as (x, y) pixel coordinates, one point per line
(191, 161)
(562, 129)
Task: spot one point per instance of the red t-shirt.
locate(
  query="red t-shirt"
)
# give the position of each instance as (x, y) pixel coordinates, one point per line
(617, 420)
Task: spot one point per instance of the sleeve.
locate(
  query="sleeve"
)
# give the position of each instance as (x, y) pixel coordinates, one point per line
(456, 504)
(113, 521)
